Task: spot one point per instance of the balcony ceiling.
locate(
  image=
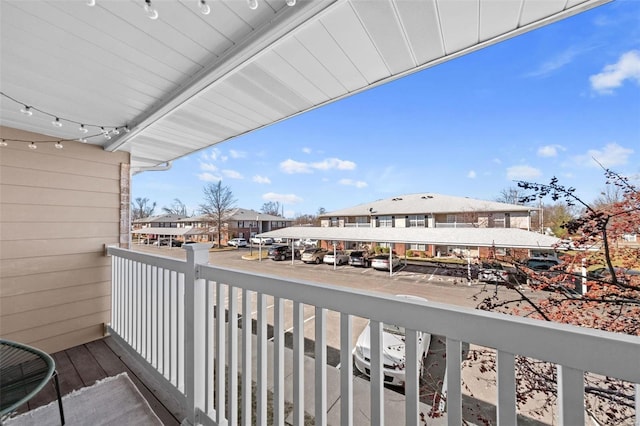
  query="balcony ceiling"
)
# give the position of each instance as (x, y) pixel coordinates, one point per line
(186, 81)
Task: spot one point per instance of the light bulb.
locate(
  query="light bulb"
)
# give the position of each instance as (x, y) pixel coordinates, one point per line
(57, 122)
(26, 110)
(291, 2)
(83, 140)
(83, 129)
(115, 131)
(126, 129)
(3, 143)
(107, 136)
(91, 2)
(204, 7)
(58, 145)
(253, 4)
(32, 146)
(151, 12)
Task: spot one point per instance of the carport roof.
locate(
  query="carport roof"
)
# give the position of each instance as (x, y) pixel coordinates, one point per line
(162, 231)
(474, 237)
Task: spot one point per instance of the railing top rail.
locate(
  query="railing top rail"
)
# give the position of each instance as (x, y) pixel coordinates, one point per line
(150, 259)
(597, 351)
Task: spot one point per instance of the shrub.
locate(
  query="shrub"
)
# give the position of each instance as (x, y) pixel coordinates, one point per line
(410, 253)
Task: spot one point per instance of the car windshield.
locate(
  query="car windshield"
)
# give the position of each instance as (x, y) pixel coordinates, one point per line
(541, 264)
(393, 329)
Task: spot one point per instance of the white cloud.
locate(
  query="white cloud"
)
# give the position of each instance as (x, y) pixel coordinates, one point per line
(291, 166)
(261, 179)
(560, 60)
(208, 177)
(237, 154)
(613, 75)
(334, 163)
(232, 174)
(351, 182)
(306, 150)
(282, 198)
(550, 150)
(214, 154)
(209, 167)
(610, 155)
(471, 174)
(522, 172)
(497, 161)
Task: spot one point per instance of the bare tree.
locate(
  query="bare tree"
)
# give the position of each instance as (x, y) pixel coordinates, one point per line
(141, 208)
(218, 203)
(272, 208)
(510, 195)
(177, 208)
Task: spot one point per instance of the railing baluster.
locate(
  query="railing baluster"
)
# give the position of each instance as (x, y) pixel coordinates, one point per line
(246, 358)
(220, 354)
(210, 348)
(377, 375)
(144, 306)
(298, 364)
(346, 370)
(181, 331)
(233, 356)
(167, 325)
(570, 396)
(506, 381)
(261, 380)
(412, 363)
(321, 366)
(278, 354)
(453, 378)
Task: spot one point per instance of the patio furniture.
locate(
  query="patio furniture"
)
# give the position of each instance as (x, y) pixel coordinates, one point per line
(24, 371)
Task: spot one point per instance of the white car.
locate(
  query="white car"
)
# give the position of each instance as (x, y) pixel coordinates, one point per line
(257, 240)
(237, 242)
(341, 258)
(381, 262)
(393, 350)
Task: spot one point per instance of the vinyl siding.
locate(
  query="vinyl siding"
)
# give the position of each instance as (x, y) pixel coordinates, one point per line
(58, 208)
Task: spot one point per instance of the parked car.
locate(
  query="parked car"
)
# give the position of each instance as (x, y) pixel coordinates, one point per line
(541, 263)
(393, 350)
(237, 242)
(313, 255)
(359, 258)
(310, 243)
(341, 258)
(381, 262)
(493, 272)
(265, 241)
(167, 241)
(282, 253)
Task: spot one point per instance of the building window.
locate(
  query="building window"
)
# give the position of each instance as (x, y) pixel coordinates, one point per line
(419, 247)
(417, 221)
(335, 222)
(385, 221)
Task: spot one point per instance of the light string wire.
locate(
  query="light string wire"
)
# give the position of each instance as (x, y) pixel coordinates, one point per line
(105, 131)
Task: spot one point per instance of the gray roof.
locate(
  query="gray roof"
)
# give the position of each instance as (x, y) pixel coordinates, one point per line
(427, 203)
(164, 218)
(475, 237)
(162, 231)
(244, 214)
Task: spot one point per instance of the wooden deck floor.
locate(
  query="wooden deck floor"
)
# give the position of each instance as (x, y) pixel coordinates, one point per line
(81, 366)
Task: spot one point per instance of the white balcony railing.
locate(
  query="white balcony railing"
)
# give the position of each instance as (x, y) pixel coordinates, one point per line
(172, 313)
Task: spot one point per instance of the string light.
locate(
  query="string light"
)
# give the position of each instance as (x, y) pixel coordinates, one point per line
(291, 2)
(253, 4)
(32, 146)
(204, 7)
(151, 12)
(58, 145)
(91, 3)
(3, 143)
(58, 121)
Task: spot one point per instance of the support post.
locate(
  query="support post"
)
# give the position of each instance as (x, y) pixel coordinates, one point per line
(194, 324)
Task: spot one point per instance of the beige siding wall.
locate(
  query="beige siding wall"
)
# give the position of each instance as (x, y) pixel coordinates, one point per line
(58, 208)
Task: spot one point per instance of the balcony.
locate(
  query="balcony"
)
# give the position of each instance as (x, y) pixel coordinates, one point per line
(168, 313)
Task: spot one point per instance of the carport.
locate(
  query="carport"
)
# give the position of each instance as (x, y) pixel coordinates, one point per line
(162, 232)
(475, 237)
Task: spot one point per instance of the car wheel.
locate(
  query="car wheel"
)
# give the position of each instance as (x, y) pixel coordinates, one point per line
(317, 260)
(283, 257)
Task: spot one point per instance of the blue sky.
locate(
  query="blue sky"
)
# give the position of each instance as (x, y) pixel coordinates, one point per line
(536, 106)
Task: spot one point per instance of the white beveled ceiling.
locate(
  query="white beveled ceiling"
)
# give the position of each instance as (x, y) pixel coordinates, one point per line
(186, 81)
